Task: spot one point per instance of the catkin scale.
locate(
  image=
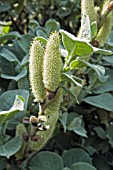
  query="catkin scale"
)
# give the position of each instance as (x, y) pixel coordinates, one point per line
(35, 69)
(52, 63)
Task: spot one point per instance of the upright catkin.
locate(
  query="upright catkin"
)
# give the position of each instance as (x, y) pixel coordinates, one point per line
(35, 69)
(87, 8)
(52, 63)
(106, 25)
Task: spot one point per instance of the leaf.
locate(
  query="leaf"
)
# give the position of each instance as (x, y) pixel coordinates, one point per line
(25, 60)
(64, 52)
(41, 33)
(22, 74)
(11, 147)
(8, 55)
(82, 166)
(51, 25)
(76, 126)
(45, 161)
(42, 39)
(63, 120)
(72, 94)
(63, 12)
(100, 132)
(110, 132)
(25, 41)
(7, 99)
(81, 131)
(109, 59)
(85, 31)
(9, 36)
(66, 168)
(23, 83)
(107, 85)
(75, 46)
(102, 51)
(91, 150)
(78, 63)
(77, 81)
(4, 7)
(75, 155)
(17, 106)
(94, 29)
(100, 70)
(104, 101)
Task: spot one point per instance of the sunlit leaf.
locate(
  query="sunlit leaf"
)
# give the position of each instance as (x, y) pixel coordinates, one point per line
(94, 29)
(85, 31)
(75, 46)
(17, 106)
(77, 81)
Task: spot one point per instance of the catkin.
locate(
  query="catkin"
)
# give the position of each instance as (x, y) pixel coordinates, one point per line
(52, 114)
(87, 8)
(52, 63)
(35, 69)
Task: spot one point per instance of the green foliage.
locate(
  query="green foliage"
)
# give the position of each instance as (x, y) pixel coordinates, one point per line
(81, 166)
(101, 101)
(75, 155)
(83, 137)
(10, 147)
(18, 106)
(46, 160)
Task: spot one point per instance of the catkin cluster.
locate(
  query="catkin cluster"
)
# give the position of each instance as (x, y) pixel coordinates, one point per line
(45, 66)
(45, 69)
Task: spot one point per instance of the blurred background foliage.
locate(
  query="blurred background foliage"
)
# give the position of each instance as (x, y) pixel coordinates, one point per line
(84, 129)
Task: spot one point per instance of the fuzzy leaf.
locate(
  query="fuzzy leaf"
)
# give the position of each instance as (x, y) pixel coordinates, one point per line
(18, 106)
(11, 147)
(75, 46)
(9, 36)
(63, 120)
(82, 166)
(104, 101)
(76, 126)
(22, 74)
(93, 29)
(100, 132)
(51, 25)
(45, 161)
(102, 51)
(75, 155)
(85, 32)
(8, 55)
(77, 81)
